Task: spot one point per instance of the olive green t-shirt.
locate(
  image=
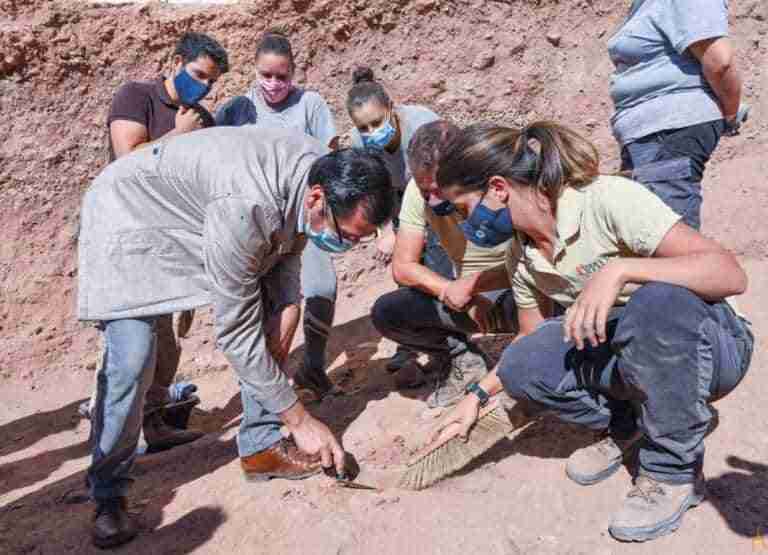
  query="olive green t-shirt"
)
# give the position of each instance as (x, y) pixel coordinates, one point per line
(466, 256)
(613, 217)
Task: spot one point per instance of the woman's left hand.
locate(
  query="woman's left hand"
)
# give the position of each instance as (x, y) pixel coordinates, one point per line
(586, 318)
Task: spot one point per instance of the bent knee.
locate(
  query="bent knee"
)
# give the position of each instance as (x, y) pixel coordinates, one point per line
(388, 312)
(655, 299)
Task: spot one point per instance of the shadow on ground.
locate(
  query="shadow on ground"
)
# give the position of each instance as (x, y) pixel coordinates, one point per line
(158, 476)
(741, 497)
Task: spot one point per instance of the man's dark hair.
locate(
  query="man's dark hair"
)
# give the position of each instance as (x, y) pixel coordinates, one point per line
(353, 177)
(429, 141)
(193, 45)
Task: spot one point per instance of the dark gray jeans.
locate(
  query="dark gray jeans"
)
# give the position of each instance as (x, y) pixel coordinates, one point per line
(422, 323)
(671, 164)
(669, 353)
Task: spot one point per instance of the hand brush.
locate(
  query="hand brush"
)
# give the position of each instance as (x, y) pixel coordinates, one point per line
(446, 454)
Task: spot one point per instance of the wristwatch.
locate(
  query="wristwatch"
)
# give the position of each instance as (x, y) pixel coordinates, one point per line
(479, 392)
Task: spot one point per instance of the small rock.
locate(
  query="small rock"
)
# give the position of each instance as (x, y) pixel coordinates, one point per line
(518, 48)
(484, 61)
(554, 38)
(142, 9)
(386, 500)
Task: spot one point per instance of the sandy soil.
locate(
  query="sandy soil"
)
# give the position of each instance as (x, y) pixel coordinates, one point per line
(69, 60)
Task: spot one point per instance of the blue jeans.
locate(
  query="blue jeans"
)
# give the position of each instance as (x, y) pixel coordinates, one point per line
(128, 366)
(668, 354)
(671, 164)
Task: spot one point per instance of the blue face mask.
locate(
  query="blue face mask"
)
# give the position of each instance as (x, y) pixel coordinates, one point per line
(488, 228)
(328, 241)
(380, 138)
(442, 208)
(190, 90)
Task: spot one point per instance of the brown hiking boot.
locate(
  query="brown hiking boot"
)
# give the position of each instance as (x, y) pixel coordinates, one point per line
(160, 436)
(112, 525)
(282, 460)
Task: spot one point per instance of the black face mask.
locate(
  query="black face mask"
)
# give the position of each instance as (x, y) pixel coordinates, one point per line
(442, 208)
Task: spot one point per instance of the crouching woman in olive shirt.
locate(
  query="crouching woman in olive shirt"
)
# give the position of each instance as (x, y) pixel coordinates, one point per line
(648, 337)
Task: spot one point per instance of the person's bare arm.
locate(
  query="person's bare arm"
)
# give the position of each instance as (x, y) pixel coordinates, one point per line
(717, 59)
(684, 257)
(688, 259)
(407, 268)
(127, 135)
(528, 320)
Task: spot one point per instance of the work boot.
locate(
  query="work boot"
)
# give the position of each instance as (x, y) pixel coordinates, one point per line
(112, 525)
(400, 359)
(282, 460)
(315, 381)
(415, 375)
(596, 462)
(410, 377)
(653, 509)
(451, 384)
(160, 436)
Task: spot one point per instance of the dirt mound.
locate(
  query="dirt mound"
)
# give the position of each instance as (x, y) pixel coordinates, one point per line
(61, 62)
(509, 61)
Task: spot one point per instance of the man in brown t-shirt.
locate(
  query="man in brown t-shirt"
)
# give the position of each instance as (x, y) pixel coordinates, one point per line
(144, 111)
(141, 113)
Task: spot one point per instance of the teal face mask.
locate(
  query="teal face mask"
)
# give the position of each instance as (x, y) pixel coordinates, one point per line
(328, 241)
(380, 138)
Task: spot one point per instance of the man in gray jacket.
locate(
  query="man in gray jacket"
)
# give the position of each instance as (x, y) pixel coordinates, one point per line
(216, 217)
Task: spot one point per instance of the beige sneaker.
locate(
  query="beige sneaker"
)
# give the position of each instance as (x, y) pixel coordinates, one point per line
(451, 385)
(653, 509)
(596, 462)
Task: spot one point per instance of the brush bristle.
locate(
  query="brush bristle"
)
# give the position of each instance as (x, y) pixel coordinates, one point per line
(456, 453)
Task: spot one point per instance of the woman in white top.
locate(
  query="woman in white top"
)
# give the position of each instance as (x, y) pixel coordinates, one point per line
(274, 101)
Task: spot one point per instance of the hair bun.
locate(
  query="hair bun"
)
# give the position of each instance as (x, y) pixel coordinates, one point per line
(362, 75)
